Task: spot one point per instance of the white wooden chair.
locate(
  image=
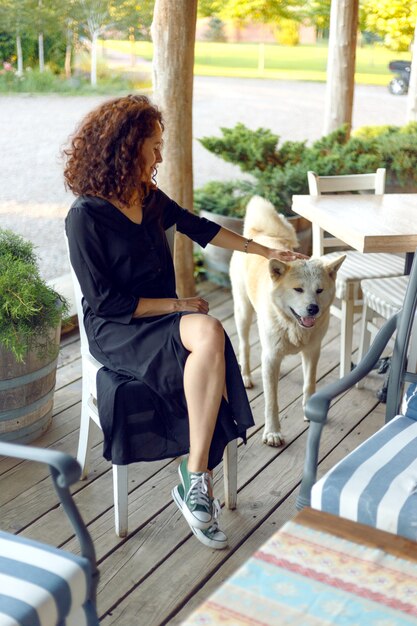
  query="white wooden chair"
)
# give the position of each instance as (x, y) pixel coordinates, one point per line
(357, 266)
(89, 413)
(41, 584)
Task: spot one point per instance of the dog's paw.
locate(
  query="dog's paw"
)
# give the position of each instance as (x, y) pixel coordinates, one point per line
(247, 381)
(274, 439)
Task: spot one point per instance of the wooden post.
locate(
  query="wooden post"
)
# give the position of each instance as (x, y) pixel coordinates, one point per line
(412, 89)
(341, 64)
(173, 34)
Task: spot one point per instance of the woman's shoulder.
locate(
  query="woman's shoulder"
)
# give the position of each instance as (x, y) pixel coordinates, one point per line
(89, 204)
(90, 208)
(85, 214)
(156, 197)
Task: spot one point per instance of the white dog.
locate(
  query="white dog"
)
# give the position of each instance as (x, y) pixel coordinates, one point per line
(291, 301)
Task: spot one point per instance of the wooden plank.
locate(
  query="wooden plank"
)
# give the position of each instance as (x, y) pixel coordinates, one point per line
(282, 514)
(251, 463)
(137, 572)
(257, 498)
(290, 389)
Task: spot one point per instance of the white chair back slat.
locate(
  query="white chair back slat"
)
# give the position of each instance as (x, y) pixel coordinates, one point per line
(319, 185)
(350, 182)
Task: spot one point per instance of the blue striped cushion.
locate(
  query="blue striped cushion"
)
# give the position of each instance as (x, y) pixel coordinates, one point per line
(358, 266)
(41, 585)
(409, 404)
(376, 484)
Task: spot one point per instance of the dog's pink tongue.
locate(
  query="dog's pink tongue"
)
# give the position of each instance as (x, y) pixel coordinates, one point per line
(308, 321)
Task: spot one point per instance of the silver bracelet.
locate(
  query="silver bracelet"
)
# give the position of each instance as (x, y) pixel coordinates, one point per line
(247, 242)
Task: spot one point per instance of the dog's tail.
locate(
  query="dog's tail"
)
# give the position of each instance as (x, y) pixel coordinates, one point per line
(262, 219)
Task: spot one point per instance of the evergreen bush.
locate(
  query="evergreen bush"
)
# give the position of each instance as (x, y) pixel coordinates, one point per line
(29, 308)
(224, 198)
(279, 171)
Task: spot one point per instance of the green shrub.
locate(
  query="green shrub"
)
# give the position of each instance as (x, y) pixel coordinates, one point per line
(224, 198)
(368, 132)
(29, 308)
(34, 81)
(280, 171)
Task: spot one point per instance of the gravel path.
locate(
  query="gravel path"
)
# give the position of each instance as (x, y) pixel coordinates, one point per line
(33, 129)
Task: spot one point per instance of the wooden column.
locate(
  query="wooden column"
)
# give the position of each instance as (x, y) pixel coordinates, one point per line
(173, 34)
(341, 64)
(412, 90)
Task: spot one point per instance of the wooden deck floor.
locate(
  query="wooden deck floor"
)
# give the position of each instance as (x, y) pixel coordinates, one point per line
(160, 572)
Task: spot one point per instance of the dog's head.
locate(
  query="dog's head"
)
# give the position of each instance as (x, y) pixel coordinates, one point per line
(304, 289)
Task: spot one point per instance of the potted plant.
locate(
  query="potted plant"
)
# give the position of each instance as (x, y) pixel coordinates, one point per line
(30, 322)
(223, 203)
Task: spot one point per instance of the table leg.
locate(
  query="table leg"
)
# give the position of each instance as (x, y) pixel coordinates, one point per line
(409, 257)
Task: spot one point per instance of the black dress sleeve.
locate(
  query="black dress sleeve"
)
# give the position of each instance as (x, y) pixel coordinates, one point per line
(197, 228)
(88, 259)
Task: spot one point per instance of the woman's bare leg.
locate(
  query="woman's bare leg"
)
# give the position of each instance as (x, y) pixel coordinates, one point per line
(204, 382)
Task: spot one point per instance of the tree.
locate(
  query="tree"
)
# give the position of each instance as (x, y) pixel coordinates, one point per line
(43, 14)
(317, 12)
(393, 20)
(412, 91)
(243, 11)
(209, 8)
(95, 18)
(173, 33)
(259, 10)
(69, 22)
(341, 64)
(134, 19)
(15, 18)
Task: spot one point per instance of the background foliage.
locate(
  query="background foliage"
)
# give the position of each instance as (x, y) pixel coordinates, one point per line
(277, 171)
(73, 23)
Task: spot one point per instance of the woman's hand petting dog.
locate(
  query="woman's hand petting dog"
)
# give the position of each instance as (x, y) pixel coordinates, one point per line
(285, 255)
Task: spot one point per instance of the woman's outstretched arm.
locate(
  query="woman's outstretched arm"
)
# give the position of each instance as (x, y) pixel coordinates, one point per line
(226, 238)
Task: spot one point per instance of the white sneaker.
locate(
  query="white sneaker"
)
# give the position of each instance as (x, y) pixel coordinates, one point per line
(211, 537)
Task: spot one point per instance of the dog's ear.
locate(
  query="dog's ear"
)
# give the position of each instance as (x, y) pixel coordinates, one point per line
(277, 268)
(334, 265)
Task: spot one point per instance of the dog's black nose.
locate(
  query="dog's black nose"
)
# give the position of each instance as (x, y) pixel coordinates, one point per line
(312, 309)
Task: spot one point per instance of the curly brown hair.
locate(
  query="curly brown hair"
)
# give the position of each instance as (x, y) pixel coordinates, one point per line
(104, 155)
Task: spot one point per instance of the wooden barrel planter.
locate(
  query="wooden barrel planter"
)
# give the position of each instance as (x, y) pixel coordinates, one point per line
(27, 393)
(217, 260)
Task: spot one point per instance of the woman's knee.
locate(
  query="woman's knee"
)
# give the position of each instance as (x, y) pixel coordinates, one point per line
(202, 331)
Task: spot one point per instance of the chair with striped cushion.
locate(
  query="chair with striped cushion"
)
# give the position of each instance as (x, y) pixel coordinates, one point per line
(376, 483)
(357, 266)
(382, 297)
(41, 585)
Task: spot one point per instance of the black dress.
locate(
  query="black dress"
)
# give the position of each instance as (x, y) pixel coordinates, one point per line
(140, 392)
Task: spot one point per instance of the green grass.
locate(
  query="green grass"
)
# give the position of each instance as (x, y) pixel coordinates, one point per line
(274, 61)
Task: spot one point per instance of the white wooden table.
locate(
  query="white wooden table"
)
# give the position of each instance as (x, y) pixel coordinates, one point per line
(368, 223)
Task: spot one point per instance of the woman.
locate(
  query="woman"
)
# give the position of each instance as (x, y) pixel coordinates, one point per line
(136, 325)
